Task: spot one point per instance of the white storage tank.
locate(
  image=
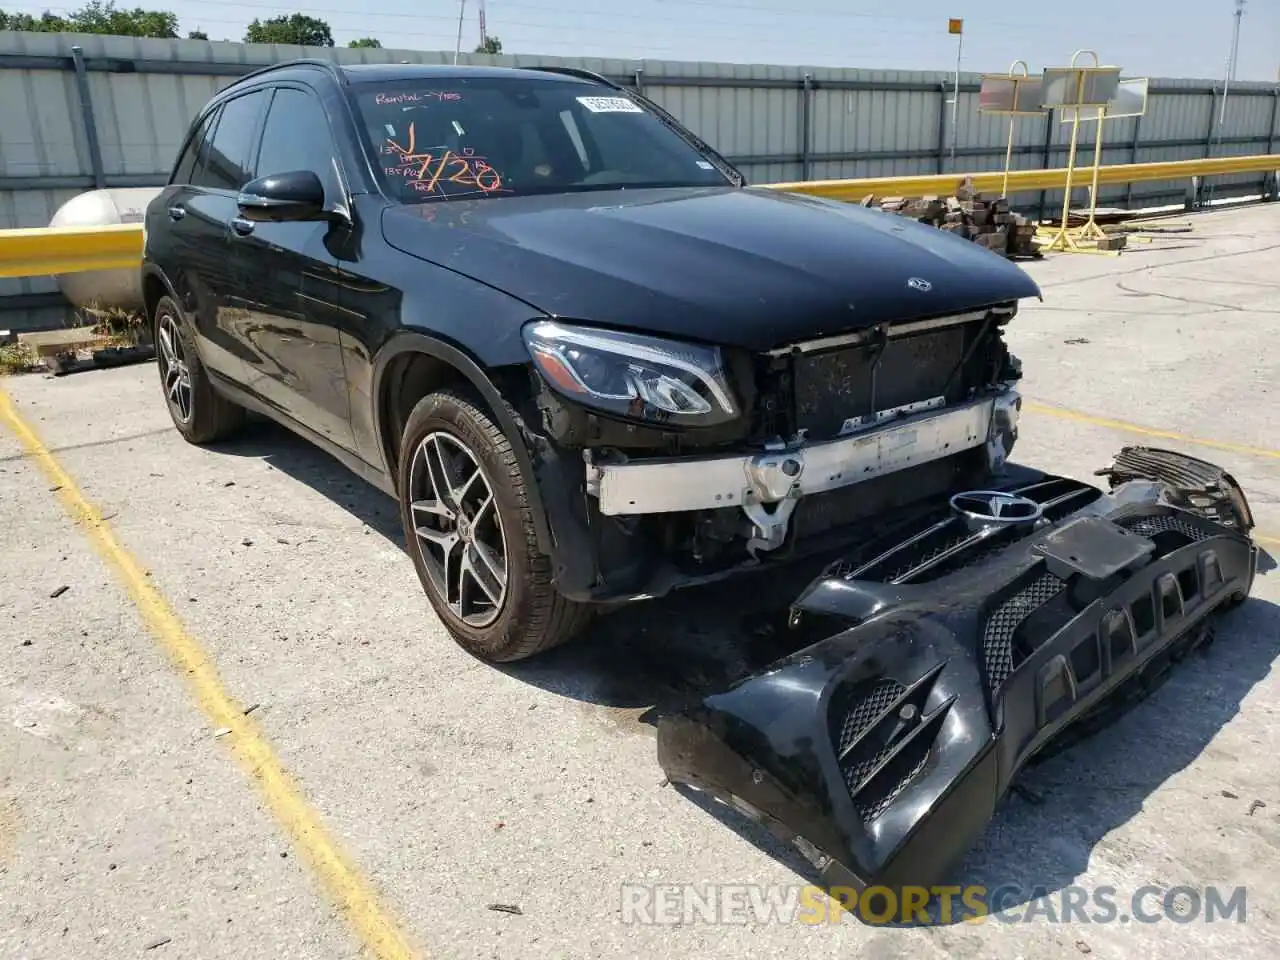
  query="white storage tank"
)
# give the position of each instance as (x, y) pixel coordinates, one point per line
(100, 208)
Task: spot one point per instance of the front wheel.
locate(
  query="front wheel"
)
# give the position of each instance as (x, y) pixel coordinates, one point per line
(465, 507)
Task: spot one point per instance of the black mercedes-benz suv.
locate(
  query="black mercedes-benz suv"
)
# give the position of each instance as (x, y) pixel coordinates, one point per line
(590, 362)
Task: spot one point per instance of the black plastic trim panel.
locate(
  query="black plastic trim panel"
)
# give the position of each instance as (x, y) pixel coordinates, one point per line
(882, 750)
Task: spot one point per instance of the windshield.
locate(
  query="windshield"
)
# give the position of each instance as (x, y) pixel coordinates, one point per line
(452, 138)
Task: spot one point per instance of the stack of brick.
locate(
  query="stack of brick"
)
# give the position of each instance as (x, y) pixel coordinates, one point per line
(989, 223)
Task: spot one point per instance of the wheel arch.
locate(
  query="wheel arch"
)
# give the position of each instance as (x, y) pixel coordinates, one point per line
(154, 286)
(424, 364)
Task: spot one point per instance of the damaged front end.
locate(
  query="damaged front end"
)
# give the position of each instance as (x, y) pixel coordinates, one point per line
(962, 644)
(695, 461)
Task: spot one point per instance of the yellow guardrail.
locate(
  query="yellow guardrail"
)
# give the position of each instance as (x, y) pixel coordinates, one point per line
(1021, 181)
(47, 251)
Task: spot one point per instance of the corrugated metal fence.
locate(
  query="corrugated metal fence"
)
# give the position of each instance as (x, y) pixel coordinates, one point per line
(80, 112)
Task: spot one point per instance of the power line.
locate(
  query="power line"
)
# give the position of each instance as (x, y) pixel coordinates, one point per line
(450, 20)
(935, 25)
(444, 42)
(825, 44)
(663, 29)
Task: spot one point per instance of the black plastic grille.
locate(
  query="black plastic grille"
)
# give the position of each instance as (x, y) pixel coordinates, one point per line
(1162, 523)
(830, 387)
(866, 707)
(1174, 468)
(870, 806)
(823, 513)
(997, 638)
(883, 746)
(910, 560)
(931, 551)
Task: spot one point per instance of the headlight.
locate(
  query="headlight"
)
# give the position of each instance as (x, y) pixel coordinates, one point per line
(634, 376)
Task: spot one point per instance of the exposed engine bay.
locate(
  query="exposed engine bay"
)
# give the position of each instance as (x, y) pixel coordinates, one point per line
(982, 629)
(833, 431)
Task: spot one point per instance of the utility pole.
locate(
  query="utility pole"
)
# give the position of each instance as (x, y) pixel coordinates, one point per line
(955, 27)
(1231, 64)
(1226, 86)
(1235, 39)
(462, 10)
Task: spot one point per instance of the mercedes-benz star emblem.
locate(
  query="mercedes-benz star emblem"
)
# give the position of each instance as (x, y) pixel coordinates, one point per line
(990, 508)
(915, 283)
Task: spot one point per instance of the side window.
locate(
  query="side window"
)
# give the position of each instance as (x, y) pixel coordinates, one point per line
(296, 137)
(224, 163)
(187, 162)
(206, 146)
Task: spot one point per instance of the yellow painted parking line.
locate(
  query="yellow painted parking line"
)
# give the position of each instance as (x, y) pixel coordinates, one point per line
(1063, 413)
(349, 890)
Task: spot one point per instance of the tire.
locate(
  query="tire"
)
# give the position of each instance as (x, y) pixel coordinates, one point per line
(201, 414)
(498, 612)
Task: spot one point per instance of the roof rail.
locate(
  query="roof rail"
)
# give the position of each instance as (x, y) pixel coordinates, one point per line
(327, 65)
(580, 74)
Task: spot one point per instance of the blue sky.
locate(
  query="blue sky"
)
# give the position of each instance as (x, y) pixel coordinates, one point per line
(1181, 38)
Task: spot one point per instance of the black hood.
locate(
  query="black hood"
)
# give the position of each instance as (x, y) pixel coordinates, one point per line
(742, 267)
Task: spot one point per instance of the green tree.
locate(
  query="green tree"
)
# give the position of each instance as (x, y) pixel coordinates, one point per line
(98, 17)
(197, 35)
(295, 28)
(46, 23)
(490, 45)
(368, 42)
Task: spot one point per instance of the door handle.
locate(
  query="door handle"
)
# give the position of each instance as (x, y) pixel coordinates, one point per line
(242, 226)
(177, 212)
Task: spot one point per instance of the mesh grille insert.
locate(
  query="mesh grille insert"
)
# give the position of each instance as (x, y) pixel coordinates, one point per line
(868, 703)
(997, 638)
(870, 807)
(1162, 523)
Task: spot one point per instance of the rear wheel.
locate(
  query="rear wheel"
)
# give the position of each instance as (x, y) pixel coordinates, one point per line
(201, 414)
(465, 507)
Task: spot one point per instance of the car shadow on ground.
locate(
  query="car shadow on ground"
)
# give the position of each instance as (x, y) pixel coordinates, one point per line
(284, 450)
(653, 657)
(647, 655)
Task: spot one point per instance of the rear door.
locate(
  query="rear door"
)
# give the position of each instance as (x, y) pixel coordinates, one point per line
(292, 289)
(190, 243)
(207, 207)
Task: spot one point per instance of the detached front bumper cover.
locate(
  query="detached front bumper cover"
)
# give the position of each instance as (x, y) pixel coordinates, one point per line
(964, 644)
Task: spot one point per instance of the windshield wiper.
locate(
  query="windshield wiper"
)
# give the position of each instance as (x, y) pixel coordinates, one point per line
(617, 185)
(675, 126)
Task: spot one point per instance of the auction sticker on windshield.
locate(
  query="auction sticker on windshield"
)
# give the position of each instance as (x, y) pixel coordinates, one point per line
(609, 105)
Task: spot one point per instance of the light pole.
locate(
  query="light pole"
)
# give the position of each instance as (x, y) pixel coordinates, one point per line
(955, 26)
(462, 11)
(1231, 64)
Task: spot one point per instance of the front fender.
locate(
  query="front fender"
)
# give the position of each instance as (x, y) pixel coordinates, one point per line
(548, 472)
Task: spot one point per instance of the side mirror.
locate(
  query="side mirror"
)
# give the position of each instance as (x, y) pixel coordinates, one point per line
(297, 195)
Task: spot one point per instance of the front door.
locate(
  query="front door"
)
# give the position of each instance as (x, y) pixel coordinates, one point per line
(290, 291)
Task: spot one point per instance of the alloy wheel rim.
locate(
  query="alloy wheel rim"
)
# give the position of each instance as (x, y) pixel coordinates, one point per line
(457, 529)
(175, 373)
